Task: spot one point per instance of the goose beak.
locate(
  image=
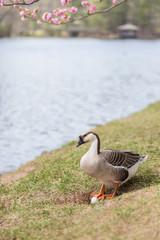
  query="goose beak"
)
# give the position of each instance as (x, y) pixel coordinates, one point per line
(80, 141)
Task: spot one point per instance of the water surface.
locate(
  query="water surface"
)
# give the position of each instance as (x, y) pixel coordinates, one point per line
(52, 90)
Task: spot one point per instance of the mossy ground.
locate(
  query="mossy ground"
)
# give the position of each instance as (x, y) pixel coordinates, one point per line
(48, 198)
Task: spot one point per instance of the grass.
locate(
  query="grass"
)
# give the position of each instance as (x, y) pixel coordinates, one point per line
(48, 197)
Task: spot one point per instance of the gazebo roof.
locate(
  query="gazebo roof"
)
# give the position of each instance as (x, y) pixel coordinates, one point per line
(128, 26)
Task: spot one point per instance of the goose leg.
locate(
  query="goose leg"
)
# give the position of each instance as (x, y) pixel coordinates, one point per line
(109, 196)
(101, 194)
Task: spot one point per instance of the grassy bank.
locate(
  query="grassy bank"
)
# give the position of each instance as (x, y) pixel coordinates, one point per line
(48, 198)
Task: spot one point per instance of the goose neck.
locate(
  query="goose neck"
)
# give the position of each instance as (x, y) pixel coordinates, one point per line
(95, 147)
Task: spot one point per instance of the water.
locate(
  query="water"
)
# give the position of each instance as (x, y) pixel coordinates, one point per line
(52, 90)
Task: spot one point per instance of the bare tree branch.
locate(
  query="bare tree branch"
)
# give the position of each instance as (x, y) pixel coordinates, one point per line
(21, 3)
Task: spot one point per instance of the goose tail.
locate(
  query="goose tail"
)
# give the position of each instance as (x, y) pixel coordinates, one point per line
(143, 158)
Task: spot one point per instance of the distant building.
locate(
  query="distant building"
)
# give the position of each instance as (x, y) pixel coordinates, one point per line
(128, 30)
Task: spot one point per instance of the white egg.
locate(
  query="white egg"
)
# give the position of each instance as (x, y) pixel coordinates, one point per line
(94, 200)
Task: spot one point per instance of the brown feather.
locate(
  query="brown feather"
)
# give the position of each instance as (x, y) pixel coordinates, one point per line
(120, 158)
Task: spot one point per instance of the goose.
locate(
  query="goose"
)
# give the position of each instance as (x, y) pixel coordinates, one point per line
(111, 167)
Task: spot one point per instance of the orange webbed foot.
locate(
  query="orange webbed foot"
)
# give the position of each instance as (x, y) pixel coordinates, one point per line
(101, 195)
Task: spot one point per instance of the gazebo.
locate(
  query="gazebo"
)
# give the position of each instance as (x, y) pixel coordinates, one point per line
(128, 30)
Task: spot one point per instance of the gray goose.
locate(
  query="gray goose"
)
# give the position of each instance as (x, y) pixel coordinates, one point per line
(111, 167)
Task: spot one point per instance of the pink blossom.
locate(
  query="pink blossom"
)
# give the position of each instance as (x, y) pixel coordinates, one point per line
(64, 11)
(39, 22)
(1, 5)
(32, 15)
(63, 17)
(65, 2)
(92, 9)
(23, 18)
(114, 1)
(66, 17)
(60, 22)
(85, 3)
(59, 12)
(27, 11)
(22, 13)
(36, 10)
(73, 9)
(44, 17)
(49, 16)
(15, 5)
(54, 20)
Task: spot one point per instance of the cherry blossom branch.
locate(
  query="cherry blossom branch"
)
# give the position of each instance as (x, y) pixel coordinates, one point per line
(98, 12)
(63, 15)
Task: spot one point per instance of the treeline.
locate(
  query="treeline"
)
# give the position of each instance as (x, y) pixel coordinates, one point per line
(143, 13)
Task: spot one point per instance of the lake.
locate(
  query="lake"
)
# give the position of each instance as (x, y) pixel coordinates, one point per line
(53, 90)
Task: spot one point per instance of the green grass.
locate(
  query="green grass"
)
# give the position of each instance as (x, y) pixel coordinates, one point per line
(48, 197)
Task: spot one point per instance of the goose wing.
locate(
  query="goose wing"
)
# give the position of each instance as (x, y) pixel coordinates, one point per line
(124, 158)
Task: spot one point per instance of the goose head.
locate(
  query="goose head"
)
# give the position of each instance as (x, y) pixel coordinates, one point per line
(89, 137)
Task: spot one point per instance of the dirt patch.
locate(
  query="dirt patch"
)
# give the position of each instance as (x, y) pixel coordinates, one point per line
(13, 176)
(9, 222)
(81, 198)
(59, 150)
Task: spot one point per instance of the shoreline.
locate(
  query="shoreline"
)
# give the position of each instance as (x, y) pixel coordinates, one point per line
(68, 143)
(63, 145)
(62, 148)
(80, 37)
